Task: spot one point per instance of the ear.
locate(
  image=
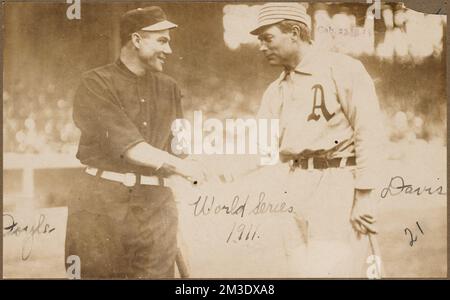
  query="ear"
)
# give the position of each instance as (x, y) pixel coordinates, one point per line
(136, 40)
(295, 33)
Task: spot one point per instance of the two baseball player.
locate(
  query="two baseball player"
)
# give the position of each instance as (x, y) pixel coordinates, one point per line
(329, 123)
(329, 133)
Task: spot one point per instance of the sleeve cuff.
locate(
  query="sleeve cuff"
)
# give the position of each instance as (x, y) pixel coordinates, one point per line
(124, 149)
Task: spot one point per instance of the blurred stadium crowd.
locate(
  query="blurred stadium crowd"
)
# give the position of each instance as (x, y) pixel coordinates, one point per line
(38, 120)
(404, 52)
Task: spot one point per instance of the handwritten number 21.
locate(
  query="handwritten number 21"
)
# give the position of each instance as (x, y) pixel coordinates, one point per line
(413, 238)
(411, 242)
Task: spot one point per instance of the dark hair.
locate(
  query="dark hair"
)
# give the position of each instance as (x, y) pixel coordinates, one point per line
(125, 40)
(287, 25)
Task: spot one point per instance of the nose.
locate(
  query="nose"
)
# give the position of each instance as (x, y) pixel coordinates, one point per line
(263, 47)
(167, 49)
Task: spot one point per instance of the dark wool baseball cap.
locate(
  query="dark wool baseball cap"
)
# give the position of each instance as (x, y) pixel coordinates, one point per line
(150, 18)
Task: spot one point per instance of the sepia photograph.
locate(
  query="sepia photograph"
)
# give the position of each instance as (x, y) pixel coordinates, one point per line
(224, 140)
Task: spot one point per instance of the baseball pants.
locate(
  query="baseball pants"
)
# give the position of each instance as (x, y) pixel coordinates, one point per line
(324, 243)
(122, 232)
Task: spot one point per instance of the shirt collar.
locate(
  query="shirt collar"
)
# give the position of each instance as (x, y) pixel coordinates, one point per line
(124, 69)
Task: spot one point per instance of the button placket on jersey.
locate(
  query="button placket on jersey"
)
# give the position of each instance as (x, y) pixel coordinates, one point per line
(286, 88)
(143, 105)
(289, 86)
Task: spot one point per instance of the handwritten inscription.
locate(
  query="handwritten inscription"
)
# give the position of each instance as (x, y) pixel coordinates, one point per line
(241, 207)
(412, 236)
(398, 186)
(13, 228)
(206, 205)
(243, 232)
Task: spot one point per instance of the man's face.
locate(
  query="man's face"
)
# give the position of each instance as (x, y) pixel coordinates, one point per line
(154, 48)
(277, 47)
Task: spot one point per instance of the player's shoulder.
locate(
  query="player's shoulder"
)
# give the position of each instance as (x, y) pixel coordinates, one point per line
(103, 71)
(340, 61)
(108, 73)
(98, 75)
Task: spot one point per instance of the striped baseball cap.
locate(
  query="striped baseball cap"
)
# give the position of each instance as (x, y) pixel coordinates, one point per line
(274, 12)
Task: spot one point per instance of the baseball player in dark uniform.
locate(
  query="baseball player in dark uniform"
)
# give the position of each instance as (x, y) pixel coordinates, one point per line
(329, 132)
(122, 219)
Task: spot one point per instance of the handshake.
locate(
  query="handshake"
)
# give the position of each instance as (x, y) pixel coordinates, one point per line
(213, 169)
(198, 172)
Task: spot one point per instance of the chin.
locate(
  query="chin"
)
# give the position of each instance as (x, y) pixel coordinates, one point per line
(156, 68)
(274, 63)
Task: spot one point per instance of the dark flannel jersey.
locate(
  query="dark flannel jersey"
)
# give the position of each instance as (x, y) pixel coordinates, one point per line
(116, 109)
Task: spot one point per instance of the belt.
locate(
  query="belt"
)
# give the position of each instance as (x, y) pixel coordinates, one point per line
(127, 179)
(319, 162)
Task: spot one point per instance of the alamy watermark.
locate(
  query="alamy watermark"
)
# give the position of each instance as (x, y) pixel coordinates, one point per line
(74, 9)
(234, 136)
(374, 10)
(74, 267)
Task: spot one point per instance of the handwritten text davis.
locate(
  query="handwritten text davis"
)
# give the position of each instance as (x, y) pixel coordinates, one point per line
(207, 137)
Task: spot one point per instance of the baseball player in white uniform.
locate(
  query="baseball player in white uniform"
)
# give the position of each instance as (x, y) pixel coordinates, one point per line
(330, 128)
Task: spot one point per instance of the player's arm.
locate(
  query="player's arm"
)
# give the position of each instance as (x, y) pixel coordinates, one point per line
(144, 154)
(364, 114)
(362, 109)
(99, 115)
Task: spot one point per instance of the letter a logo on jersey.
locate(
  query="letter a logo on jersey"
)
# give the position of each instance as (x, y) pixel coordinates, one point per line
(323, 108)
